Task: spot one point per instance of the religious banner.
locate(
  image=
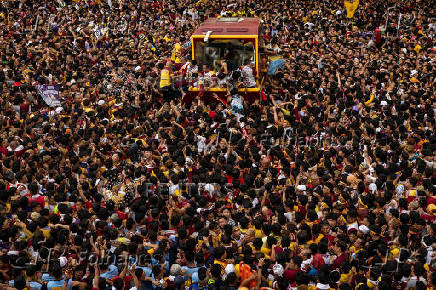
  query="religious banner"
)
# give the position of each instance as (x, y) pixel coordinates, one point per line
(50, 94)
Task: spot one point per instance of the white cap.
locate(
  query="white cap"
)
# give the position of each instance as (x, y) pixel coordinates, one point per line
(138, 68)
(364, 229)
(413, 72)
(63, 261)
(100, 102)
(383, 103)
(59, 109)
(301, 187)
(353, 226)
(373, 187)
(278, 270)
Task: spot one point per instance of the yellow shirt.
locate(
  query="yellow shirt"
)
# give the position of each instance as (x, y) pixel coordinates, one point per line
(222, 264)
(258, 233)
(28, 233)
(345, 277)
(266, 251)
(46, 232)
(165, 78)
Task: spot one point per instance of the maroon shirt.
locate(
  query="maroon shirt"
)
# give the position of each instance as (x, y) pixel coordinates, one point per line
(290, 275)
(338, 261)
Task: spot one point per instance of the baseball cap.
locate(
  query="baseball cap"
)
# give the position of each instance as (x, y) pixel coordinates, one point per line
(63, 261)
(364, 229)
(278, 269)
(313, 272)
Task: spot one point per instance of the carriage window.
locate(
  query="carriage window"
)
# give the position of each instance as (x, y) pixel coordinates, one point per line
(239, 51)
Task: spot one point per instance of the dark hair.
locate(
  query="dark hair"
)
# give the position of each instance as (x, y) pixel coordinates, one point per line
(20, 282)
(215, 270)
(231, 278)
(118, 284)
(56, 270)
(219, 252)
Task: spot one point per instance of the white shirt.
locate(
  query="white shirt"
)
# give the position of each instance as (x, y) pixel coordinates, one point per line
(288, 215)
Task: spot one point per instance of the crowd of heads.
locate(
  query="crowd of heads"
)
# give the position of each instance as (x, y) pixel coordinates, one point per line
(326, 179)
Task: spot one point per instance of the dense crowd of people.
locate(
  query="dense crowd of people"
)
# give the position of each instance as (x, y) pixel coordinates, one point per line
(325, 181)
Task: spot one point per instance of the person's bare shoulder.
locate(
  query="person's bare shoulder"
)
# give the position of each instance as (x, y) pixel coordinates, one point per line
(6, 287)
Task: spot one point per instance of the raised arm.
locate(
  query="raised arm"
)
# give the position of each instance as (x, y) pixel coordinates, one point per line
(96, 276)
(276, 118)
(338, 76)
